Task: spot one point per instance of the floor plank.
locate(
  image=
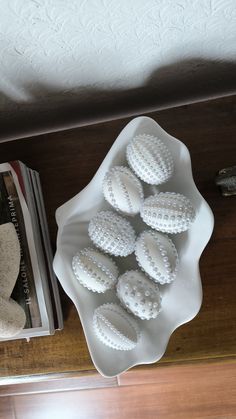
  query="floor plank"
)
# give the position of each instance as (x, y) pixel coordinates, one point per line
(6, 408)
(142, 401)
(184, 374)
(197, 391)
(67, 382)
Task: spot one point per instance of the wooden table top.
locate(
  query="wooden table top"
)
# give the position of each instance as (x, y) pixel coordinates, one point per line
(67, 161)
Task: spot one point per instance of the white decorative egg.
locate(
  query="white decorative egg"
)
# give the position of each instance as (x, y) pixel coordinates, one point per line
(123, 190)
(95, 271)
(150, 159)
(157, 256)
(168, 212)
(115, 327)
(139, 295)
(112, 233)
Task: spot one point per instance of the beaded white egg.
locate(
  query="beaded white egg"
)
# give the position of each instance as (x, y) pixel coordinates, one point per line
(139, 295)
(168, 212)
(112, 233)
(95, 271)
(115, 327)
(150, 159)
(157, 256)
(123, 190)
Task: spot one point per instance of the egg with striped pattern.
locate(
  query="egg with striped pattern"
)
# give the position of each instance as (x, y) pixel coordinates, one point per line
(123, 190)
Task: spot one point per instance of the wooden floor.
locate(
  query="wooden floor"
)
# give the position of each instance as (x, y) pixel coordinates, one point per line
(175, 392)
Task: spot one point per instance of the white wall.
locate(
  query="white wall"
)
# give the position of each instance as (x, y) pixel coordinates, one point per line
(51, 49)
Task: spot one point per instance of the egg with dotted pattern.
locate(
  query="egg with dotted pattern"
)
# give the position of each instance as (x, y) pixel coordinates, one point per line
(123, 190)
(157, 256)
(168, 212)
(112, 233)
(94, 271)
(115, 327)
(139, 295)
(150, 159)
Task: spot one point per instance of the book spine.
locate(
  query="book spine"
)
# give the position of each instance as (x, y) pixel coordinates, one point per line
(52, 280)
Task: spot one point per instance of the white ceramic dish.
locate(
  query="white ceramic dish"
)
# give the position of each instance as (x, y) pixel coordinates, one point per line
(181, 299)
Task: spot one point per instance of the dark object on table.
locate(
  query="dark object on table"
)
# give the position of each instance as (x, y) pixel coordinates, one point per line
(226, 180)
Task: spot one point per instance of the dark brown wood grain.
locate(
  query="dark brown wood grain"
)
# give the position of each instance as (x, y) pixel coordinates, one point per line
(67, 161)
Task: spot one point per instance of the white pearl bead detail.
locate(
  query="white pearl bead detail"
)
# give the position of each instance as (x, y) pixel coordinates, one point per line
(112, 233)
(139, 295)
(157, 256)
(150, 159)
(115, 327)
(95, 271)
(168, 212)
(123, 190)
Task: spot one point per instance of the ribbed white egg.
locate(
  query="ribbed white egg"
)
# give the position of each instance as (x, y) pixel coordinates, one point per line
(139, 295)
(168, 212)
(123, 190)
(150, 159)
(112, 233)
(157, 256)
(115, 327)
(95, 271)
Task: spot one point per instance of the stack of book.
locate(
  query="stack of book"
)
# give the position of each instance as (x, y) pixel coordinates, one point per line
(36, 288)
